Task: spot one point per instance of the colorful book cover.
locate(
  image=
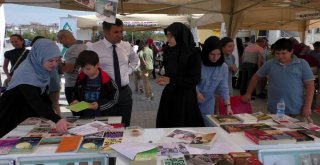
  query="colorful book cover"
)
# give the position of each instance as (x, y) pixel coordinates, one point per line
(26, 145)
(310, 126)
(40, 130)
(111, 138)
(204, 141)
(226, 119)
(299, 136)
(259, 136)
(185, 135)
(170, 149)
(48, 141)
(206, 159)
(281, 137)
(313, 134)
(174, 161)
(54, 133)
(91, 145)
(117, 127)
(69, 144)
(95, 135)
(244, 158)
(261, 116)
(231, 128)
(6, 145)
(147, 155)
(111, 134)
(109, 141)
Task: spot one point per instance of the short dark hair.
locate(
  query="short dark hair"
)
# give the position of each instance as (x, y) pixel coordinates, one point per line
(35, 39)
(106, 26)
(316, 44)
(283, 44)
(87, 57)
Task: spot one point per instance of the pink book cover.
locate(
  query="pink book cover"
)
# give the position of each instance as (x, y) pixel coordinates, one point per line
(6, 145)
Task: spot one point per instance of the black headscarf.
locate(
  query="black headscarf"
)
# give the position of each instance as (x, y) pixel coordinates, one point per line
(182, 35)
(209, 45)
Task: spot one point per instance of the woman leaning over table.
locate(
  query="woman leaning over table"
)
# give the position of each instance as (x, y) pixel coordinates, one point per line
(26, 96)
(214, 78)
(181, 59)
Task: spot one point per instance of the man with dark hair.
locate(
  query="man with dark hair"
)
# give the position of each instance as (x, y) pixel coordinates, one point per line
(316, 51)
(289, 78)
(119, 60)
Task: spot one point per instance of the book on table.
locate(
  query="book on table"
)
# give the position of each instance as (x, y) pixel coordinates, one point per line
(195, 139)
(300, 137)
(261, 116)
(207, 159)
(69, 144)
(91, 145)
(111, 138)
(6, 145)
(261, 137)
(233, 128)
(244, 158)
(226, 119)
(314, 134)
(203, 141)
(172, 149)
(26, 145)
(174, 161)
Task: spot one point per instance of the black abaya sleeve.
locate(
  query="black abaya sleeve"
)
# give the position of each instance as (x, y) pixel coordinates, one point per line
(37, 103)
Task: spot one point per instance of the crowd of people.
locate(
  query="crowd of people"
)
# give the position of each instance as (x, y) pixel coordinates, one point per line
(193, 80)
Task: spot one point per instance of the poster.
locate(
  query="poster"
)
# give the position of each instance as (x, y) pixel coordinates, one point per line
(88, 3)
(107, 10)
(69, 23)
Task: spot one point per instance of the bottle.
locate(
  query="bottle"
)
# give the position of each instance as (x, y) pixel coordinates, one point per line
(281, 106)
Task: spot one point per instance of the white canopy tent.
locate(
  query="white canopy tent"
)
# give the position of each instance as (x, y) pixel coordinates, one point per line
(237, 14)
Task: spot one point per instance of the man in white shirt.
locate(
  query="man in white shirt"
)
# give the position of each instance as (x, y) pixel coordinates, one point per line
(126, 61)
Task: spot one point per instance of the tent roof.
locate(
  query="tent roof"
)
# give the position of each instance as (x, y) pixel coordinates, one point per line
(238, 14)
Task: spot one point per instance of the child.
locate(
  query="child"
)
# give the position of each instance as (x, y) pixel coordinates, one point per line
(94, 86)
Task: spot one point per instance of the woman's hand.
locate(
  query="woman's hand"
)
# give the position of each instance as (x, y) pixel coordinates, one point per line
(200, 97)
(62, 126)
(163, 80)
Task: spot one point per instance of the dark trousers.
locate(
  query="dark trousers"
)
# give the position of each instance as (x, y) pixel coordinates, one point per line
(123, 107)
(248, 70)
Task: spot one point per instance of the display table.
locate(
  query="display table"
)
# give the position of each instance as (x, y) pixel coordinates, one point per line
(223, 144)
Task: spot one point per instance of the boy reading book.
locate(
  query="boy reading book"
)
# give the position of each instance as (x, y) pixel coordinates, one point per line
(94, 86)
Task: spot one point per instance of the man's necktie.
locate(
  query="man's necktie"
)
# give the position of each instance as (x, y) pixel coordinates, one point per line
(116, 66)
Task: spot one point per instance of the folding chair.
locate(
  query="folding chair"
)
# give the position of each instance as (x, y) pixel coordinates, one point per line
(237, 106)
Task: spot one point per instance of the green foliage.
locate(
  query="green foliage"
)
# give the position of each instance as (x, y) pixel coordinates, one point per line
(144, 35)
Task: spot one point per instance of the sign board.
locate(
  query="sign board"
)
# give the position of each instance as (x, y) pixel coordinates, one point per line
(107, 10)
(307, 15)
(69, 23)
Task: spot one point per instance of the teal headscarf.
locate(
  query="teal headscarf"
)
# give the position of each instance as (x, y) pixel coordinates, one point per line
(31, 70)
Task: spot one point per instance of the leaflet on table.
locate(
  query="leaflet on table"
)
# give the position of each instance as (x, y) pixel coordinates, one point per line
(90, 128)
(130, 149)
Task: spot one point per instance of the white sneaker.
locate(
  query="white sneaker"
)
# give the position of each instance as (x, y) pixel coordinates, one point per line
(147, 99)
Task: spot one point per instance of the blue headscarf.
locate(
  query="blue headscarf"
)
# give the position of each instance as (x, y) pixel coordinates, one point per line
(31, 70)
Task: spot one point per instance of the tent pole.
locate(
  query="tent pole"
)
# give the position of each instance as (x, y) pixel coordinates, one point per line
(230, 19)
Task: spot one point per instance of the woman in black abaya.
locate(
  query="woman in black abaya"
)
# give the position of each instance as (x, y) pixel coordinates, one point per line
(182, 62)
